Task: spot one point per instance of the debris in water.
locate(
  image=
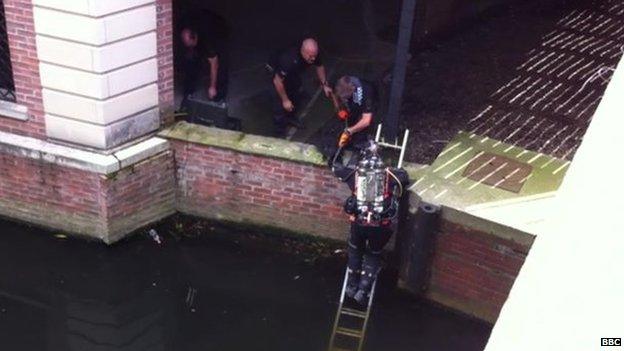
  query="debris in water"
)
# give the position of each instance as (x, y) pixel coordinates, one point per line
(60, 236)
(297, 277)
(154, 235)
(190, 297)
(338, 251)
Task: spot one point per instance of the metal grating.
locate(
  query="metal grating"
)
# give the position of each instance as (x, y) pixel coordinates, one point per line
(7, 85)
(499, 172)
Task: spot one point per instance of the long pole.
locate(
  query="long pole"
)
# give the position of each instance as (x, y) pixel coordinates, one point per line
(406, 24)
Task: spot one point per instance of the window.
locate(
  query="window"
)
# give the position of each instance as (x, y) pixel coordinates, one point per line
(7, 86)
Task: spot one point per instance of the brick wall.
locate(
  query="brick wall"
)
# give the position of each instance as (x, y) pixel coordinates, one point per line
(165, 58)
(21, 33)
(474, 271)
(42, 193)
(87, 203)
(139, 194)
(224, 184)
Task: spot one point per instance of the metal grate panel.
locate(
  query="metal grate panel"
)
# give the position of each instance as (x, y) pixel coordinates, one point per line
(499, 172)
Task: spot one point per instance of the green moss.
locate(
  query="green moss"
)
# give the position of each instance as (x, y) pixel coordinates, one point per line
(111, 176)
(246, 143)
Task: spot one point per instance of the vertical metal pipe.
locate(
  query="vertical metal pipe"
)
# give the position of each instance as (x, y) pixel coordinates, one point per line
(406, 24)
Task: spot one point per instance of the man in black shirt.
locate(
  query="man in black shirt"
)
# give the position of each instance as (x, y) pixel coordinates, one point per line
(287, 67)
(202, 40)
(357, 98)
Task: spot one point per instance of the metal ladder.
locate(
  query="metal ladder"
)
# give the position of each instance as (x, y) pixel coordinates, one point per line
(355, 334)
(396, 146)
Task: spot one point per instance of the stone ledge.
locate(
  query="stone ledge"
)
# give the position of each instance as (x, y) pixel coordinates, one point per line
(13, 110)
(246, 143)
(486, 226)
(75, 158)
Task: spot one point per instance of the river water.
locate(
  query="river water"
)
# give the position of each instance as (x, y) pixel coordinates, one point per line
(206, 287)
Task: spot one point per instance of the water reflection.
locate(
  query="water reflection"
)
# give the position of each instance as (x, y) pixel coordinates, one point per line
(210, 293)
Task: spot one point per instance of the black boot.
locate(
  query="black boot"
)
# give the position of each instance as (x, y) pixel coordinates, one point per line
(364, 287)
(354, 267)
(353, 282)
(370, 270)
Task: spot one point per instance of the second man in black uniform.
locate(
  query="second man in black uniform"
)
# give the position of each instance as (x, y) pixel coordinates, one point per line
(287, 67)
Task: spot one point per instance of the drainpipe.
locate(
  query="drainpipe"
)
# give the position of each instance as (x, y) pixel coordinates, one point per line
(406, 24)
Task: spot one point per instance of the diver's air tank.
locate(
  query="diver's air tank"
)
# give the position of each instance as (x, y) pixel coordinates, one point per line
(370, 184)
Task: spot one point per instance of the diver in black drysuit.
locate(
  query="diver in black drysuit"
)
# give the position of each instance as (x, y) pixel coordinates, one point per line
(372, 223)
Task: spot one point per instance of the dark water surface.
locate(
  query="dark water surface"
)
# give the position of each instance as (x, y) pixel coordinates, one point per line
(221, 290)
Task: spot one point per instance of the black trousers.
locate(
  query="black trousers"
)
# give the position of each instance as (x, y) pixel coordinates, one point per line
(194, 68)
(292, 84)
(364, 252)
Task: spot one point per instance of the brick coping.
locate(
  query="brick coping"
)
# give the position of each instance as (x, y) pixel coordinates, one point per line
(246, 143)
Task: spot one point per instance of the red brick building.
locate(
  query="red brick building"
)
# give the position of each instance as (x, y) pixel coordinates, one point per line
(87, 86)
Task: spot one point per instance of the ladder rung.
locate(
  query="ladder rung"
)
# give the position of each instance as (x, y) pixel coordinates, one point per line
(352, 312)
(394, 146)
(350, 332)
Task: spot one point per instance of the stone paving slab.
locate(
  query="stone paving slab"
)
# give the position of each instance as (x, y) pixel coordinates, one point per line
(445, 181)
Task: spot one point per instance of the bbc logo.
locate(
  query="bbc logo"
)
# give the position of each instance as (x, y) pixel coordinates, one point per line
(610, 341)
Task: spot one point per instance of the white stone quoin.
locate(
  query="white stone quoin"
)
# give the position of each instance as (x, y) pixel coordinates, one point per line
(98, 69)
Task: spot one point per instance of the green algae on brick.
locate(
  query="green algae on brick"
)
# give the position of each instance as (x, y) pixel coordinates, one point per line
(247, 143)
